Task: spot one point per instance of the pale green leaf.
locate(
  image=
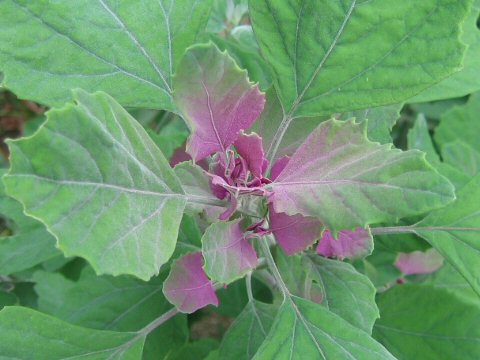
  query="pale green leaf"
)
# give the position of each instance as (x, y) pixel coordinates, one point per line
(337, 56)
(26, 333)
(461, 122)
(419, 138)
(96, 179)
(345, 291)
(29, 244)
(306, 328)
(466, 80)
(127, 49)
(249, 330)
(420, 321)
(380, 121)
(462, 156)
(454, 231)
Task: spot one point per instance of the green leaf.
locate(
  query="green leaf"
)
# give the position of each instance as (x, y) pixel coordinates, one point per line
(322, 51)
(112, 303)
(7, 299)
(96, 179)
(462, 156)
(249, 330)
(380, 121)
(227, 252)
(195, 350)
(29, 245)
(466, 80)
(461, 122)
(427, 322)
(454, 232)
(172, 135)
(355, 182)
(419, 138)
(25, 332)
(303, 327)
(345, 291)
(126, 49)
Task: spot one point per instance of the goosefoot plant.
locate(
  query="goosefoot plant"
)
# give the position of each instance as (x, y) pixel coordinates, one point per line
(287, 176)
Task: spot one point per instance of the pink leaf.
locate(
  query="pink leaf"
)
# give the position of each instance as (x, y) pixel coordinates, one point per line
(294, 233)
(350, 244)
(187, 287)
(250, 148)
(278, 167)
(419, 262)
(227, 252)
(215, 98)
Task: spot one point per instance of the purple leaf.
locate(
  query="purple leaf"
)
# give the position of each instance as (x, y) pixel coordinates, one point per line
(294, 233)
(250, 148)
(347, 181)
(215, 98)
(227, 252)
(419, 262)
(350, 244)
(187, 287)
(278, 167)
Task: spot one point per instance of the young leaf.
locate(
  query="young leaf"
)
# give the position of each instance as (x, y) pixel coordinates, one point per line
(303, 327)
(462, 156)
(96, 179)
(354, 244)
(346, 181)
(216, 104)
(420, 320)
(323, 51)
(294, 233)
(249, 147)
(227, 252)
(419, 262)
(249, 330)
(461, 122)
(25, 332)
(466, 80)
(187, 287)
(127, 50)
(344, 290)
(454, 232)
(29, 245)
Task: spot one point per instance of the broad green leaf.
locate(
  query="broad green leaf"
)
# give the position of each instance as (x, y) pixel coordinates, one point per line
(268, 124)
(126, 49)
(96, 179)
(380, 121)
(227, 252)
(347, 181)
(247, 57)
(195, 350)
(345, 291)
(7, 299)
(419, 138)
(112, 303)
(189, 237)
(249, 330)
(306, 328)
(215, 98)
(461, 122)
(454, 232)
(462, 156)
(29, 244)
(171, 136)
(337, 56)
(25, 332)
(421, 321)
(466, 80)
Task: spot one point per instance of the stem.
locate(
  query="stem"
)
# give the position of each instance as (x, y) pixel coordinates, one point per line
(393, 230)
(274, 269)
(157, 322)
(277, 139)
(248, 283)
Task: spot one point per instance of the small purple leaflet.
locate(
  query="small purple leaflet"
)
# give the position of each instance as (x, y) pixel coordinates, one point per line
(187, 287)
(418, 262)
(350, 244)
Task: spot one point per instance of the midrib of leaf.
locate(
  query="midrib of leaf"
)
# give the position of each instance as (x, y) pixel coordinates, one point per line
(169, 36)
(95, 55)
